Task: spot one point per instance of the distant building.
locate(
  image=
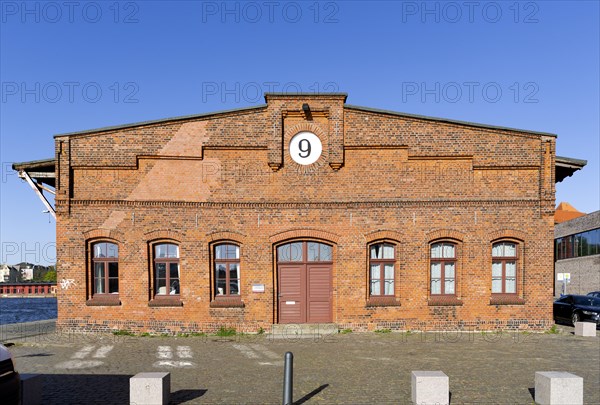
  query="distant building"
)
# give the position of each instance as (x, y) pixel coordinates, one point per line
(26, 270)
(566, 212)
(577, 255)
(5, 270)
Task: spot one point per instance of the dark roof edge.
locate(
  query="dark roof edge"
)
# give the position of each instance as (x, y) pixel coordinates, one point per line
(570, 161)
(446, 120)
(305, 94)
(158, 121)
(34, 164)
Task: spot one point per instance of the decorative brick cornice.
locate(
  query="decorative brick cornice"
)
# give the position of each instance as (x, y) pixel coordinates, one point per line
(310, 205)
(383, 234)
(103, 234)
(165, 234)
(507, 234)
(445, 234)
(304, 233)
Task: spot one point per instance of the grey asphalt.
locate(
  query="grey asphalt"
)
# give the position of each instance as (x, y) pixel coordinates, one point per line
(353, 368)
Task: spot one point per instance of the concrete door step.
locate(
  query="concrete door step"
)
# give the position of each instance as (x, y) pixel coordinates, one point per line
(303, 330)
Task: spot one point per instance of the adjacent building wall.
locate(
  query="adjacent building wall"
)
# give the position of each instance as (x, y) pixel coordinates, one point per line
(584, 271)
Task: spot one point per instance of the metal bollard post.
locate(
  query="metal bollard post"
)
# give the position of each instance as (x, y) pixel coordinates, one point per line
(288, 379)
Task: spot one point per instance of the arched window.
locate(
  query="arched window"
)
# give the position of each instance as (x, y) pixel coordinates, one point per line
(227, 270)
(105, 265)
(442, 262)
(504, 267)
(166, 269)
(382, 263)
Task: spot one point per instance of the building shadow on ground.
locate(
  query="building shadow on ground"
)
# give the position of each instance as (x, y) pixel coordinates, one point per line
(61, 389)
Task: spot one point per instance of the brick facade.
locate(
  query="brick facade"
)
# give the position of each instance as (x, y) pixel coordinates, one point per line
(228, 176)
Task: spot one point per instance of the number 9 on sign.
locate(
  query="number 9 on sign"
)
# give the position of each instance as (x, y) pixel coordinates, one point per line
(305, 148)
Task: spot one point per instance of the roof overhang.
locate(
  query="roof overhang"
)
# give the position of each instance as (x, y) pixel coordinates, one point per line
(42, 171)
(565, 167)
(41, 176)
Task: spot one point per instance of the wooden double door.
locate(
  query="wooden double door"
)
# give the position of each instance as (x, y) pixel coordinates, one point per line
(305, 282)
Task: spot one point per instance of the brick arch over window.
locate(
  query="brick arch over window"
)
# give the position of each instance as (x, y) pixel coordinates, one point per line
(383, 234)
(306, 126)
(236, 237)
(304, 234)
(444, 234)
(165, 234)
(506, 234)
(115, 235)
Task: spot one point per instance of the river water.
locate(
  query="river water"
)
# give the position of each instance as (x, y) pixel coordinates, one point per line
(17, 310)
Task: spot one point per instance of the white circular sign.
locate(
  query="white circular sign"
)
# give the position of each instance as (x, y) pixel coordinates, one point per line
(305, 148)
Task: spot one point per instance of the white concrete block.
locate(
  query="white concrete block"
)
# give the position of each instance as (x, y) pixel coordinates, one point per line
(150, 389)
(430, 388)
(31, 389)
(558, 388)
(585, 329)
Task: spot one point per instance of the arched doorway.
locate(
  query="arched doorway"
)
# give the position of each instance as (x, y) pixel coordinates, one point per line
(304, 271)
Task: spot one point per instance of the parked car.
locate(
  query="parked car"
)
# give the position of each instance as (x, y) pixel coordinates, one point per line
(577, 308)
(10, 381)
(594, 294)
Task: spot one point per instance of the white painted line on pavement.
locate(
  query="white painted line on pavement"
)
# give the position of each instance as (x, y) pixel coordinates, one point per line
(103, 352)
(265, 351)
(78, 364)
(246, 351)
(184, 352)
(83, 352)
(173, 363)
(164, 352)
(272, 363)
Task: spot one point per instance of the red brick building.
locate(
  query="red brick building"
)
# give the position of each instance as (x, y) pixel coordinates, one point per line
(305, 210)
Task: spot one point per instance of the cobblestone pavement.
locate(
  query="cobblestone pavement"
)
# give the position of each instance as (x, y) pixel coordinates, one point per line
(353, 368)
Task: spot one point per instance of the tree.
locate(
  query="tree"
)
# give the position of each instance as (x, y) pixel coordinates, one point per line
(50, 275)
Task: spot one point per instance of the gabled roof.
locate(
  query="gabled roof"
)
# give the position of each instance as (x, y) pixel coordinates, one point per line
(162, 120)
(444, 120)
(313, 95)
(43, 170)
(566, 212)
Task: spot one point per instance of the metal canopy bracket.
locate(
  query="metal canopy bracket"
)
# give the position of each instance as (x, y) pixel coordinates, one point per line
(38, 190)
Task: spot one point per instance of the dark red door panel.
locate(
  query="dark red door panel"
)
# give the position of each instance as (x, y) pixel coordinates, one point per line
(292, 290)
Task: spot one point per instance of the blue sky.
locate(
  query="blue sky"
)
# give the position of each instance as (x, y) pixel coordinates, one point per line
(73, 66)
